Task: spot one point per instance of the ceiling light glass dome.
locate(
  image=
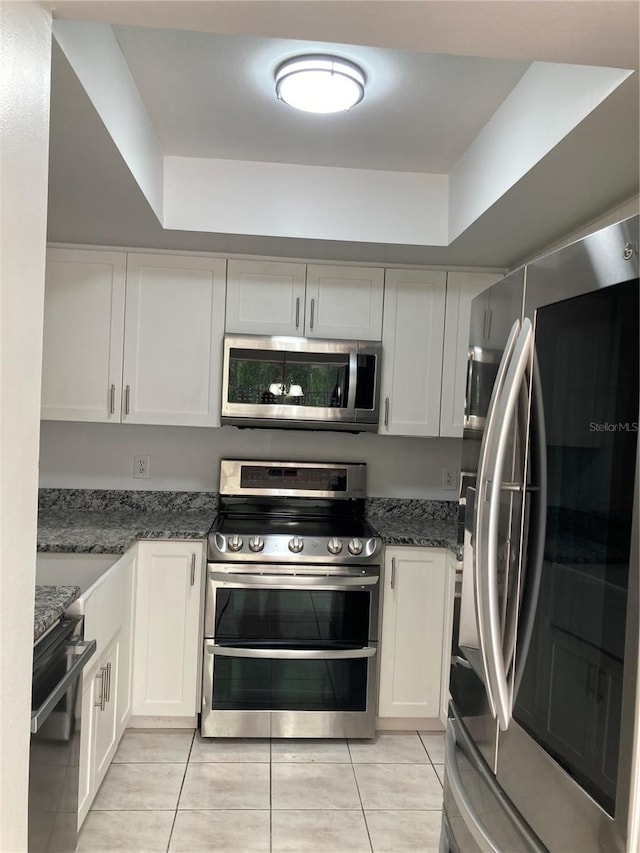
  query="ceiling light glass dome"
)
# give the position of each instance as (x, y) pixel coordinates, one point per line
(320, 84)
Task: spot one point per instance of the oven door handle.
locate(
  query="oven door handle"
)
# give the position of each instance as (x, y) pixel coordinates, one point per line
(290, 654)
(291, 580)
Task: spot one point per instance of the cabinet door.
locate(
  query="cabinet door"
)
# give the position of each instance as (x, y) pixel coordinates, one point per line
(344, 302)
(453, 568)
(83, 330)
(86, 782)
(105, 698)
(168, 628)
(173, 340)
(265, 298)
(412, 632)
(412, 338)
(462, 288)
(127, 569)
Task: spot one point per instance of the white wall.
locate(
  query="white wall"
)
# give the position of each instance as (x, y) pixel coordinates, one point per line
(626, 209)
(25, 50)
(75, 455)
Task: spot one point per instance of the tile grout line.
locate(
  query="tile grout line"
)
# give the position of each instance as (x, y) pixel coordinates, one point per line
(355, 776)
(184, 776)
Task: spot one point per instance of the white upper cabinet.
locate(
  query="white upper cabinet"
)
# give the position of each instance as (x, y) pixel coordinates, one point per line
(412, 337)
(271, 298)
(174, 326)
(83, 334)
(265, 298)
(462, 288)
(344, 302)
(164, 369)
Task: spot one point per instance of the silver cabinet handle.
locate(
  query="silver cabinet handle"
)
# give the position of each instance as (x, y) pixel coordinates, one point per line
(297, 312)
(193, 569)
(108, 699)
(467, 389)
(291, 654)
(82, 652)
(386, 412)
(102, 701)
(112, 400)
(393, 572)
(127, 399)
(313, 309)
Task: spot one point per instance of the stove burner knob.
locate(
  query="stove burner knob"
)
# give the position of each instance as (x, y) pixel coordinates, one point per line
(256, 543)
(334, 546)
(296, 544)
(234, 542)
(355, 547)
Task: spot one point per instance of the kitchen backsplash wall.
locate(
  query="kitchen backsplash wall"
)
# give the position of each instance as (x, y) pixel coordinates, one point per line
(100, 456)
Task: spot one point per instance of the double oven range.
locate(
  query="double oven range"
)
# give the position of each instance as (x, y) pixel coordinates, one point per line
(292, 604)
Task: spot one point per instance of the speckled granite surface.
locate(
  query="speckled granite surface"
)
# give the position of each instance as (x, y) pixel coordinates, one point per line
(430, 524)
(102, 521)
(108, 522)
(51, 602)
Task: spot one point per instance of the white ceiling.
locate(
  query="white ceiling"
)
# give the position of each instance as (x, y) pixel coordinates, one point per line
(212, 95)
(186, 81)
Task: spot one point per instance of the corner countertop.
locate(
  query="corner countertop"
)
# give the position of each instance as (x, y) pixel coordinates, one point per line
(108, 522)
(113, 532)
(51, 603)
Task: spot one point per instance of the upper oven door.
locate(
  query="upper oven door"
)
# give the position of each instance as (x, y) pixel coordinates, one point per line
(319, 607)
(313, 383)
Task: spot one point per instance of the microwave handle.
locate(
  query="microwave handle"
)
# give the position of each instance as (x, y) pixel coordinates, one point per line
(353, 379)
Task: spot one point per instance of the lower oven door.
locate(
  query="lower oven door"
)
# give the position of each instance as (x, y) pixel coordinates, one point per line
(290, 651)
(288, 692)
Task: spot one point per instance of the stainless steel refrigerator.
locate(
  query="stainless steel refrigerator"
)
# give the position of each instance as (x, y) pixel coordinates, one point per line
(541, 735)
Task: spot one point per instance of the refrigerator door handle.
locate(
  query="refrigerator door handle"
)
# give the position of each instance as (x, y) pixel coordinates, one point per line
(490, 613)
(480, 550)
(537, 522)
(465, 807)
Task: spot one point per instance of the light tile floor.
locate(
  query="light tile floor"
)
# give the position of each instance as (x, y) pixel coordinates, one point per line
(173, 791)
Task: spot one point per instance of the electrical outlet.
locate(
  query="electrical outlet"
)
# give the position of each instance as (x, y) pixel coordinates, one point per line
(141, 467)
(449, 478)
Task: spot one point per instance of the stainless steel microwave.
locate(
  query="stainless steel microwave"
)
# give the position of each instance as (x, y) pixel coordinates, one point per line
(301, 383)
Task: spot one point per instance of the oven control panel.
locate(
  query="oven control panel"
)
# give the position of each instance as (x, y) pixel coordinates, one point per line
(282, 548)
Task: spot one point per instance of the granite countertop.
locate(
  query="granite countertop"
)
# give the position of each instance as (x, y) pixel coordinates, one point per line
(422, 523)
(109, 522)
(113, 532)
(51, 602)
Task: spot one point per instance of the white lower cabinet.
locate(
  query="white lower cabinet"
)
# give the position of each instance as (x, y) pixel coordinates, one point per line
(168, 628)
(106, 682)
(412, 637)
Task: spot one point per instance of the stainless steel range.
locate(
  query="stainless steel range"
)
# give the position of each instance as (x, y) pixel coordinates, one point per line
(292, 604)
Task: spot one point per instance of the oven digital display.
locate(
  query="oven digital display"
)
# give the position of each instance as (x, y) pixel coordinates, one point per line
(301, 479)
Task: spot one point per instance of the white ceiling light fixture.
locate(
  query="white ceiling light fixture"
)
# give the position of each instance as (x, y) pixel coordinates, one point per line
(320, 84)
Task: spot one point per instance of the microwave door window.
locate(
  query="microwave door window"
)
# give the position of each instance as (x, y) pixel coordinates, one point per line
(320, 380)
(256, 376)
